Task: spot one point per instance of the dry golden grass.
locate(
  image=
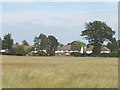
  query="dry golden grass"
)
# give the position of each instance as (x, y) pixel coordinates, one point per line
(59, 72)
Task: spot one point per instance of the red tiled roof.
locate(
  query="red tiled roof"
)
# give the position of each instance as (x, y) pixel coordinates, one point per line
(25, 46)
(69, 47)
(15, 45)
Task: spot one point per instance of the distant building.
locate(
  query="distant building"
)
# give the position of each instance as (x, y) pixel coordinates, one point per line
(2, 51)
(103, 50)
(67, 49)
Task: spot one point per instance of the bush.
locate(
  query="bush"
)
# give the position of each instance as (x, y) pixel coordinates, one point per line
(78, 54)
(19, 51)
(42, 53)
(112, 54)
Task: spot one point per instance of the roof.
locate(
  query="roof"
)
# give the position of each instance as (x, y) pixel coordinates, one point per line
(15, 45)
(89, 49)
(25, 46)
(103, 48)
(69, 47)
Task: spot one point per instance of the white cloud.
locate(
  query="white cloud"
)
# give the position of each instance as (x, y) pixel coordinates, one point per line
(56, 19)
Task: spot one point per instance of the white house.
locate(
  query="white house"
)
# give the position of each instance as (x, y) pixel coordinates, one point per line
(2, 51)
(67, 49)
(103, 50)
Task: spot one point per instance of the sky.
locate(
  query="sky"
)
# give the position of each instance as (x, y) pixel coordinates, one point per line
(64, 20)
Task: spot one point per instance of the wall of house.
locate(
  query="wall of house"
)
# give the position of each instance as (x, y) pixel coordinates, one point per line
(105, 51)
(88, 52)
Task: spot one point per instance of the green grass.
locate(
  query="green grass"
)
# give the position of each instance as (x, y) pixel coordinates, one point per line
(59, 72)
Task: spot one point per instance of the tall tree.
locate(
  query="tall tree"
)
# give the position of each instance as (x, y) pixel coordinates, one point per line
(41, 41)
(7, 42)
(96, 33)
(24, 42)
(118, 43)
(0, 43)
(60, 44)
(52, 44)
(113, 45)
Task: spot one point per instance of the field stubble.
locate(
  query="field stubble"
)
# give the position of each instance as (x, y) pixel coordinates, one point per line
(59, 72)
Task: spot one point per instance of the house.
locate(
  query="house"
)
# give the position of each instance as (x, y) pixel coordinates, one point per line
(67, 49)
(2, 51)
(103, 50)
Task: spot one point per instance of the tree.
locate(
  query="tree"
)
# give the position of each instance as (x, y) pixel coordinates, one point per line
(52, 44)
(60, 44)
(41, 41)
(97, 33)
(19, 50)
(77, 43)
(118, 43)
(0, 43)
(7, 42)
(24, 42)
(89, 45)
(113, 45)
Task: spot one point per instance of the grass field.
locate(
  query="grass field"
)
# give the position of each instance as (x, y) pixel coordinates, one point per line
(59, 72)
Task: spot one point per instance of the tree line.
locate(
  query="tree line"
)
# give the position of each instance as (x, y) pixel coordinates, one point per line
(96, 32)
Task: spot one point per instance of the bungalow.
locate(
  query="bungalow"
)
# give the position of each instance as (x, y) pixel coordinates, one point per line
(103, 50)
(67, 49)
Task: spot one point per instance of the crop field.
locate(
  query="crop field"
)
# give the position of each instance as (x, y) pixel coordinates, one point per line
(59, 72)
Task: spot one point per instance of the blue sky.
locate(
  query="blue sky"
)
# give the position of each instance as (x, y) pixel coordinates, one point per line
(64, 20)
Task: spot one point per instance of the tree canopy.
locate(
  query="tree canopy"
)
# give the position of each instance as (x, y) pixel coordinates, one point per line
(7, 42)
(50, 43)
(77, 43)
(41, 41)
(96, 33)
(24, 42)
(0, 43)
(113, 45)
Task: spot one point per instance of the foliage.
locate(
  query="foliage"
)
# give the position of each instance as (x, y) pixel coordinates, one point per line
(0, 43)
(60, 44)
(96, 33)
(77, 43)
(89, 45)
(42, 53)
(24, 42)
(113, 45)
(118, 43)
(78, 54)
(27, 51)
(7, 42)
(41, 41)
(112, 54)
(52, 44)
(19, 50)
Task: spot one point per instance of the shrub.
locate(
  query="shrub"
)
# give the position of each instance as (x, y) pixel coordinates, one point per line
(78, 54)
(112, 54)
(42, 53)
